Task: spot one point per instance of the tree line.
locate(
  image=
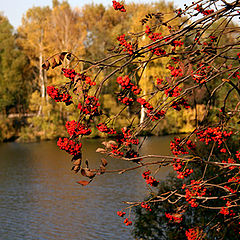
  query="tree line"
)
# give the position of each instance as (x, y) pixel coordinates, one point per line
(90, 33)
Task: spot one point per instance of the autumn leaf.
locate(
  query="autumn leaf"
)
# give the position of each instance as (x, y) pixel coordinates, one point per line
(109, 143)
(77, 162)
(62, 55)
(55, 63)
(46, 65)
(101, 150)
(69, 56)
(88, 173)
(76, 168)
(102, 169)
(83, 182)
(104, 162)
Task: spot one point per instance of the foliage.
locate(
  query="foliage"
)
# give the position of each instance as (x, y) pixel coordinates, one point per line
(14, 79)
(200, 57)
(89, 32)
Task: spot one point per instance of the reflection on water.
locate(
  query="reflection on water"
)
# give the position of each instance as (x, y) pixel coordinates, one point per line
(39, 198)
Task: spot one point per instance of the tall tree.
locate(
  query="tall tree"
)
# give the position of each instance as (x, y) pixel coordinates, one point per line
(65, 31)
(13, 70)
(32, 39)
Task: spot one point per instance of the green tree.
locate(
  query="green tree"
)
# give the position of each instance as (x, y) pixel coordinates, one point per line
(14, 79)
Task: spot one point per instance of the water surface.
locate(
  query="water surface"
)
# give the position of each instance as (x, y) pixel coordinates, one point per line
(40, 199)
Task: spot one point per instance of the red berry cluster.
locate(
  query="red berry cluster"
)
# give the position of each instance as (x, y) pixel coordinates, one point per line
(115, 150)
(173, 92)
(88, 81)
(126, 83)
(230, 189)
(132, 154)
(125, 100)
(150, 113)
(157, 115)
(121, 213)
(157, 51)
(145, 104)
(177, 165)
(126, 137)
(190, 145)
(69, 146)
(192, 234)
(91, 106)
(177, 43)
(103, 128)
(124, 140)
(75, 129)
(225, 210)
(175, 71)
(230, 160)
(201, 74)
(148, 30)
(135, 90)
(127, 222)
(159, 81)
(146, 206)
(185, 173)
(176, 148)
(127, 46)
(213, 38)
(200, 9)
(118, 6)
(236, 75)
(234, 179)
(223, 150)
(154, 37)
(59, 97)
(149, 179)
(180, 103)
(237, 155)
(195, 190)
(173, 218)
(69, 73)
(175, 60)
(213, 134)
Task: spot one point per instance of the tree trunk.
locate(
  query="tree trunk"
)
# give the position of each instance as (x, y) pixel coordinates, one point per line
(142, 112)
(41, 75)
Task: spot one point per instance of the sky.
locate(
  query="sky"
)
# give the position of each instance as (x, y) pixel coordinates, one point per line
(14, 9)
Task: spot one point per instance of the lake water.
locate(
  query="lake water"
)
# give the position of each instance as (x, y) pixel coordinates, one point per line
(40, 199)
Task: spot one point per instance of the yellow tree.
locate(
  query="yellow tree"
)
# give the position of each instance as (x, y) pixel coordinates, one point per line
(65, 29)
(32, 34)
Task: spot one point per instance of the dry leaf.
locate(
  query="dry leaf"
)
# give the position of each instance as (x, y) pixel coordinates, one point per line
(76, 168)
(102, 169)
(62, 55)
(83, 183)
(69, 56)
(88, 173)
(77, 162)
(101, 150)
(104, 162)
(46, 65)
